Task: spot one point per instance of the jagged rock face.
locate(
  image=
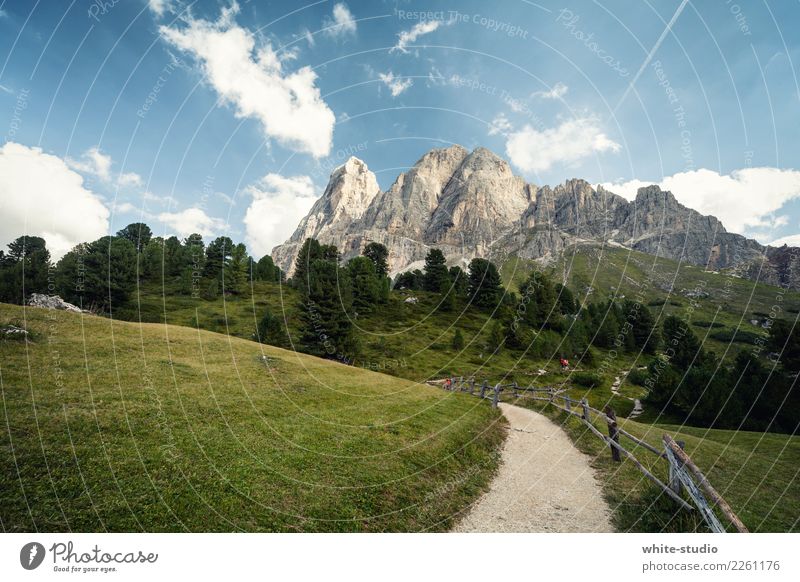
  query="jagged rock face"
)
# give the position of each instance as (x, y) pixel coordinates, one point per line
(470, 204)
(482, 200)
(351, 189)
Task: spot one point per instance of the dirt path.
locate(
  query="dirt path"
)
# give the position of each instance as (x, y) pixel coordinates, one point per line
(544, 483)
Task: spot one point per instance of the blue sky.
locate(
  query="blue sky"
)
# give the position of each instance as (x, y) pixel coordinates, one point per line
(227, 118)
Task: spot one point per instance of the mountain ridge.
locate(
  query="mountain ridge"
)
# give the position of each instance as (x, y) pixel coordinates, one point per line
(471, 204)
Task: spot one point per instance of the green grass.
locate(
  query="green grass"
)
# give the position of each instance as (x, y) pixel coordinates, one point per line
(756, 473)
(118, 426)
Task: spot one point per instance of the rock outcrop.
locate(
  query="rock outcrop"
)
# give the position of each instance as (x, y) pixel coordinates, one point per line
(52, 302)
(470, 204)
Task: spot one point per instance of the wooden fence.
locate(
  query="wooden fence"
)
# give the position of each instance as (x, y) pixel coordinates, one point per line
(684, 475)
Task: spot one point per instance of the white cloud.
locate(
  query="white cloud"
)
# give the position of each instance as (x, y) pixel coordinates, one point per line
(288, 106)
(745, 199)
(159, 7)
(129, 179)
(341, 23)
(279, 204)
(396, 84)
(500, 125)
(306, 34)
(93, 162)
(406, 37)
(41, 196)
(192, 220)
(792, 240)
(557, 92)
(124, 208)
(532, 150)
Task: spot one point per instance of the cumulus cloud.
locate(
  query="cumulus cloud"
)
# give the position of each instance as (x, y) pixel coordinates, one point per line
(159, 7)
(95, 163)
(395, 84)
(341, 23)
(40, 195)
(192, 220)
(252, 80)
(532, 150)
(279, 204)
(406, 37)
(557, 92)
(744, 199)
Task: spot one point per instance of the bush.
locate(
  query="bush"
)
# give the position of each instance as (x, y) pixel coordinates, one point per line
(736, 335)
(708, 324)
(588, 379)
(638, 377)
(458, 340)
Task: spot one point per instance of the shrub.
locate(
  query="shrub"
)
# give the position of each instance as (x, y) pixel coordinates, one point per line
(458, 340)
(708, 324)
(638, 377)
(736, 335)
(588, 379)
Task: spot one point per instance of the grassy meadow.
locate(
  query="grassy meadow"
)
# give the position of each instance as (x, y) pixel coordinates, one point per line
(119, 426)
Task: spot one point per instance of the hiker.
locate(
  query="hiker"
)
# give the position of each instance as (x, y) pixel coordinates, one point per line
(564, 364)
(447, 383)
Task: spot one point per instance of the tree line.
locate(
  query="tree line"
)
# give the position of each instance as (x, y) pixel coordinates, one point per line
(104, 272)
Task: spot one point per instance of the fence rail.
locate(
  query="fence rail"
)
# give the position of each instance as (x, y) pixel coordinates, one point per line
(684, 475)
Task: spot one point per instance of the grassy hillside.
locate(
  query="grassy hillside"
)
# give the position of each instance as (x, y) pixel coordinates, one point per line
(125, 427)
(727, 311)
(413, 340)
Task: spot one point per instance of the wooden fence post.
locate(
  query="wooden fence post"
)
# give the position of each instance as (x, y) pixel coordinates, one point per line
(613, 432)
(567, 403)
(472, 386)
(484, 386)
(496, 398)
(674, 481)
(585, 406)
(516, 388)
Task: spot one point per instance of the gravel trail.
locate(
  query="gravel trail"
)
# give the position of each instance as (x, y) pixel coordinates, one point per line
(544, 483)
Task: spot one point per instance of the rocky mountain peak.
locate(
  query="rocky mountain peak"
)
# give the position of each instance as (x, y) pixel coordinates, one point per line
(470, 204)
(351, 189)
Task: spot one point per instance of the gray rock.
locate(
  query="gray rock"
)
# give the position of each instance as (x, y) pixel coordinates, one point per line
(52, 302)
(472, 205)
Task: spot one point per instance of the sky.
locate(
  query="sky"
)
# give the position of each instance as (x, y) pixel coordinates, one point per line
(227, 118)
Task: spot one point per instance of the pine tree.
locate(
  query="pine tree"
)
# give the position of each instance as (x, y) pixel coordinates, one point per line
(437, 277)
(308, 253)
(236, 269)
(542, 307)
(326, 328)
(138, 233)
(485, 289)
(271, 331)
(378, 254)
(643, 333)
(566, 300)
(365, 284)
(217, 254)
(25, 269)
